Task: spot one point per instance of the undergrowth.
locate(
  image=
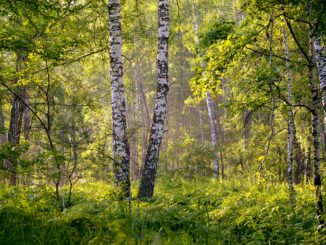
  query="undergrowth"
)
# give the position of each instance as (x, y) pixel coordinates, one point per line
(182, 212)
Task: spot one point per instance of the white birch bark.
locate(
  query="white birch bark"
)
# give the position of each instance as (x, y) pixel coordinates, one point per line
(211, 113)
(320, 59)
(315, 127)
(210, 108)
(291, 116)
(148, 177)
(120, 142)
(313, 42)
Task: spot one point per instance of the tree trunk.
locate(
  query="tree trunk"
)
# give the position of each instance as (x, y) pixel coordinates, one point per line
(201, 125)
(320, 59)
(148, 177)
(315, 118)
(145, 114)
(16, 118)
(144, 140)
(210, 107)
(308, 165)
(120, 142)
(3, 136)
(166, 161)
(291, 118)
(316, 146)
(135, 138)
(27, 117)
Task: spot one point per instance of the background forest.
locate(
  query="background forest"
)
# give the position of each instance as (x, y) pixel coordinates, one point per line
(205, 126)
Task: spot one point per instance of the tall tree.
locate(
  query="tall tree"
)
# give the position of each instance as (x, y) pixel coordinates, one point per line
(16, 117)
(315, 119)
(3, 136)
(321, 64)
(209, 102)
(149, 174)
(120, 142)
(211, 114)
(144, 111)
(291, 115)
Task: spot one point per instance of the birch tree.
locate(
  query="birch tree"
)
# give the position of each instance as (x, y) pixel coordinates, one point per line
(291, 116)
(149, 173)
(211, 114)
(120, 142)
(210, 105)
(315, 102)
(320, 59)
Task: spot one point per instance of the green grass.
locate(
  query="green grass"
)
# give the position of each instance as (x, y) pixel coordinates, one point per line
(182, 212)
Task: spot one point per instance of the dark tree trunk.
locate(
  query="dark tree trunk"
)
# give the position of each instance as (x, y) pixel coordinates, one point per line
(3, 136)
(27, 117)
(16, 119)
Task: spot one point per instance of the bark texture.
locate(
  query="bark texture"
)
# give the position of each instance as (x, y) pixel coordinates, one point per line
(16, 119)
(27, 117)
(148, 177)
(120, 142)
(315, 118)
(320, 58)
(291, 117)
(315, 134)
(3, 136)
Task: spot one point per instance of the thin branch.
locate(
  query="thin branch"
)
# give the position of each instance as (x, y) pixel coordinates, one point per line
(296, 39)
(318, 20)
(263, 52)
(25, 104)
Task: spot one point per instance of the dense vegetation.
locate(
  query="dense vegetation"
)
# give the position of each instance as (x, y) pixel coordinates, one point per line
(162, 122)
(183, 211)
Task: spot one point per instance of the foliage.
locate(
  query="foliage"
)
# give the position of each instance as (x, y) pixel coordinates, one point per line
(248, 211)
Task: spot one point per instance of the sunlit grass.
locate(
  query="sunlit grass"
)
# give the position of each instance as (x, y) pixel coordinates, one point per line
(201, 211)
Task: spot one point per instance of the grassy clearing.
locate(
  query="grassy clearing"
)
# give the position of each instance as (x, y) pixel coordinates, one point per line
(182, 212)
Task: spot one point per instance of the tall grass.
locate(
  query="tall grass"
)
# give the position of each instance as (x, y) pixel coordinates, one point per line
(182, 211)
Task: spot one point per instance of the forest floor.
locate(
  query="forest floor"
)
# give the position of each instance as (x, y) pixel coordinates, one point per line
(183, 211)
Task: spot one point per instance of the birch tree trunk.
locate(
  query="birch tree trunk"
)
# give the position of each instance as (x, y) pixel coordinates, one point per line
(291, 117)
(149, 174)
(315, 118)
(315, 132)
(320, 59)
(120, 142)
(210, 107)
(316, 145)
